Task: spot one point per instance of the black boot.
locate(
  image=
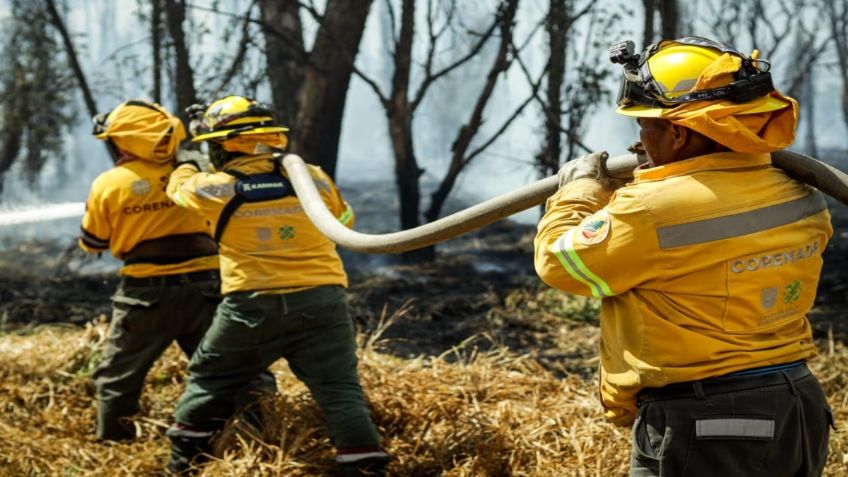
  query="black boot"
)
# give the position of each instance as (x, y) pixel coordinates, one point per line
(367, 467)
(188, 447)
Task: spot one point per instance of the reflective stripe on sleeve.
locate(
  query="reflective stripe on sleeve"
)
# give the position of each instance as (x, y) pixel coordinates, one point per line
(178, 198)
(346, 215)
(567, 256)
(737, 225)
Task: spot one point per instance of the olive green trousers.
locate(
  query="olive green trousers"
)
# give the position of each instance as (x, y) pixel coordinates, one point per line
(146, 319)
(312, 329)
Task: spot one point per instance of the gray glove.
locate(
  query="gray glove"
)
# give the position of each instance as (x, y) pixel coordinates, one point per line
(195, 158)
(586, 167)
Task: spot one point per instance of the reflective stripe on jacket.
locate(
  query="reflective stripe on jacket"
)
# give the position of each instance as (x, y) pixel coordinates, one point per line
(270, 245)
(127, 205)
(705, 267)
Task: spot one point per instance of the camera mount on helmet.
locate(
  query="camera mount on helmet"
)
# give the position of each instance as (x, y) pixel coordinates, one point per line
(624, 53)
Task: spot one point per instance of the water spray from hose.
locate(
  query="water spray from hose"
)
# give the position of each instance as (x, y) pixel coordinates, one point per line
(24, 214)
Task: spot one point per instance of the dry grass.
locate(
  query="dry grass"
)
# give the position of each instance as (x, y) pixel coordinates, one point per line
(490, 414)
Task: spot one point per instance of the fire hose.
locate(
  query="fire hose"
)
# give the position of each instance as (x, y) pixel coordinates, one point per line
(826, 178)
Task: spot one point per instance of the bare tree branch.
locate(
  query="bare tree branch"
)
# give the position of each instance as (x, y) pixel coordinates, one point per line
(241, 52)
(59, 24)
(504, 126)
(392, 23)
(73, 59)
(384, 100)
(466, 133)
(431, 77)
(434, 34)
(296, 46)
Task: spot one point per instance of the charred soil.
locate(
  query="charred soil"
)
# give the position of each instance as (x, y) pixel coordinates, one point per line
(481, 292)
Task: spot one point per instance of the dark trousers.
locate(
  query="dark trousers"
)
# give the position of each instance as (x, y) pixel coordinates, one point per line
(772, 426)
(147, 316)
(311, 329)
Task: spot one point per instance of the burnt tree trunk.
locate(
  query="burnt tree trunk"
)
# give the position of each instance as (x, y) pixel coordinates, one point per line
(175, 12)
(557, 27)
(407, 171)
(670, 14)
(648, 32)
(12, 133)
(400, 114)
(156, 43)
(325, 83)
(285, 56)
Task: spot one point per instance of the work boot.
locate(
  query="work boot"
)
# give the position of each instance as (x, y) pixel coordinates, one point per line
(367, 467)
(188, 447)
(114, 431)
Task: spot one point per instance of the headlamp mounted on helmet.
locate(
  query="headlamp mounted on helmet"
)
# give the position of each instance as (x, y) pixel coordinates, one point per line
(639, 87)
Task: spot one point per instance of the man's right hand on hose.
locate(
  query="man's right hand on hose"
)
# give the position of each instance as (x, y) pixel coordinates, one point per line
(589, 166)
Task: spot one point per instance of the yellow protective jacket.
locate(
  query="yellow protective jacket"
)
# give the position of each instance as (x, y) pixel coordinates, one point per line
(268, 246)
(127, 205)
(705, 267)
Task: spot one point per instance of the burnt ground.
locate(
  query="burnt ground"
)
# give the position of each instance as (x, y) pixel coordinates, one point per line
(481, 291)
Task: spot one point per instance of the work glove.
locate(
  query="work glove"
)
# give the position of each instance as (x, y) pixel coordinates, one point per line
(195, 158)
(586, 167)
(590, 166)
(195, 117)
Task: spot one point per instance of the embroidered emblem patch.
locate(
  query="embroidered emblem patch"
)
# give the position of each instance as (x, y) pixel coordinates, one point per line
(793, 292)
(768, 297)
(140, 187)
(264, 234)
(594, 229)
(286, 232)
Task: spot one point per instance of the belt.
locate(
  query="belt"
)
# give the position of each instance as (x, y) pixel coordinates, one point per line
(171, 280)
(721, 385)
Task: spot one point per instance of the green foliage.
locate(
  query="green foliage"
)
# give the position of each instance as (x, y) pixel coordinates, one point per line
(36, 88)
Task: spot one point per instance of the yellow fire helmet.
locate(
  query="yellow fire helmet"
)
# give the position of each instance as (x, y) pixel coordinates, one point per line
(141, 128)
(230, 117)
(672, 73)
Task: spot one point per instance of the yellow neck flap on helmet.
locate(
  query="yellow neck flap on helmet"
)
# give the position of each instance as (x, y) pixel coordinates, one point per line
(141, 128)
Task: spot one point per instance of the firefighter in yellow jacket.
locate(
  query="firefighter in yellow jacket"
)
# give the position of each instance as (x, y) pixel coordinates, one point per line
(283, 289)
(706, 265)
(169, 281)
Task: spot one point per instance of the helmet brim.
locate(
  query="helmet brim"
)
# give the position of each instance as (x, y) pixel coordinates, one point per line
(224, 133)
(642, 111)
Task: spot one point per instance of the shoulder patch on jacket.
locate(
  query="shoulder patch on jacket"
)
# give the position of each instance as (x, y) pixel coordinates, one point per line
(594, 229)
